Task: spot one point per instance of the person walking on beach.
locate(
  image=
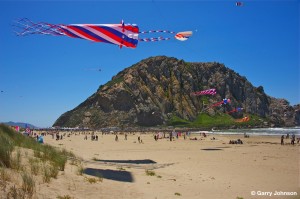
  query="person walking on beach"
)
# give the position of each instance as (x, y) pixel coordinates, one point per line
(293, 139)
(282, 138)
(116, 138)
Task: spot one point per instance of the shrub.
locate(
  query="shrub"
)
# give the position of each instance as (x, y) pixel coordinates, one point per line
(150, 173)
(64, 197)
(80, 169)
(91, 180)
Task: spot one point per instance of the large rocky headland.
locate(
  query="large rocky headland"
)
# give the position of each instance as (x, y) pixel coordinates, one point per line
(156, 92)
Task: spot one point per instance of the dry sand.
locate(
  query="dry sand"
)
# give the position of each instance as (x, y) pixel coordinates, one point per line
(183, 168)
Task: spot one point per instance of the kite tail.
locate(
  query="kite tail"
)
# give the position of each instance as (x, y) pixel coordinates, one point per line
(233, 111)
(154, 39)
(156, 31)
(25, 27)
(182, 36)
(216, 104)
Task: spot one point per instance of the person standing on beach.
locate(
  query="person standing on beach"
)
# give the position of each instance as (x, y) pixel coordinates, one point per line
(116, 138)
(282, 138)
(293, 139)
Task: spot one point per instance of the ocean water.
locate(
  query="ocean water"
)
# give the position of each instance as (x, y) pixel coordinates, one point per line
(258, 131)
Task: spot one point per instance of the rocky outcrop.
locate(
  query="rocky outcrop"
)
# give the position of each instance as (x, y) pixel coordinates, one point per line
(152, 91)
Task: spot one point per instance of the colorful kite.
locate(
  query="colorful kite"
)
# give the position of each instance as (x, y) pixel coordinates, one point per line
(244, 119)
(119, 34)
(205, 92)
(239, 3)
(224, 101)
(235, 110)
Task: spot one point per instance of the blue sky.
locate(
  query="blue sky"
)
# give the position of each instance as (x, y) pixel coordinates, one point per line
(44, 76)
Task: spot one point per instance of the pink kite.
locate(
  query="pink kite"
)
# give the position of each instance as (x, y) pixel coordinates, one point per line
(205, 92)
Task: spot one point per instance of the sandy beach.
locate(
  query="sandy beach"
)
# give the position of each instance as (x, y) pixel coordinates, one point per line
(183, 168)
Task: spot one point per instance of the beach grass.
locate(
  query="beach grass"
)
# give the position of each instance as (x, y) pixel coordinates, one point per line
(64, 197)
(6, 148)
(34, 166)
(16, 160)
(52, 159)
(4, 175)
(94, 180)
(150, 173)
(15, 192)
(80, 169)
(177, 194)
(28, 184)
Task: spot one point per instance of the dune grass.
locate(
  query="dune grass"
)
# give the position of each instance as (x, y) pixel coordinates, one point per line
(12, 139)
(54, 159)
(64, 197)
(26, 158)
(28, 184)
(6, 148)
(150, 172)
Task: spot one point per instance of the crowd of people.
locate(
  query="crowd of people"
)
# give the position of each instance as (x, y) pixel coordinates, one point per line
(170, 136)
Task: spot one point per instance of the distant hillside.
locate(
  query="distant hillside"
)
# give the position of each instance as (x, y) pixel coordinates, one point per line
(157, 91)
(20, 124)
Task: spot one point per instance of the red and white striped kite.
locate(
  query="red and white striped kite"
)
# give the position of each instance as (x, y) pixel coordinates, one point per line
(119, 34)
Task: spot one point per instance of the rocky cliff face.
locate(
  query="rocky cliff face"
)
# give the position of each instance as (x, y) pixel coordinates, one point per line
(152, 91)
